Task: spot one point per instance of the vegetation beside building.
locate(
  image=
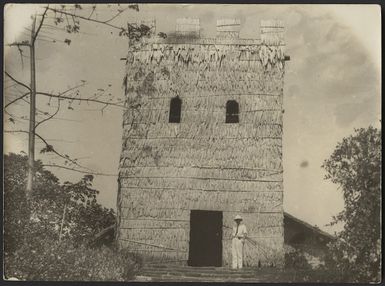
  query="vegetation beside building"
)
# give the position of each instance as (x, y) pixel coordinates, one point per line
(47, 237)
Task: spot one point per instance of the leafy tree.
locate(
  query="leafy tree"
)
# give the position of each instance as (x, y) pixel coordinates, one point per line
(15, 205)
(86, 217)
(45, 237)
(58, 212)
(17, 223)
(355, 166)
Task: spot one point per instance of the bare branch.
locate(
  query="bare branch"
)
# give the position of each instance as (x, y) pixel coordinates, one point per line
(16, 99)
(116, 15)
(92, 12)
(14, 117)
(85, 18)
(40, 25)
(60, 95)
(17, 44)
(37, 109)
(79, 171)
(68, 23)
(55, 28)
(65, 157)
(21, 56)
(18, 82)
(80, 99)
(51, 116)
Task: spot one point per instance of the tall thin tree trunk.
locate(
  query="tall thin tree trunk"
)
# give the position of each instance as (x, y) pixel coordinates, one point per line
(32, 111)
(62, 222)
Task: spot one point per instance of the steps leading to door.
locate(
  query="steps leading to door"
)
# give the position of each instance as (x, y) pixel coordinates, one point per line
(178, 273)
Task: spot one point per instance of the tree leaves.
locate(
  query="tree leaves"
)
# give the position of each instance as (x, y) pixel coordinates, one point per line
(355, 166)
(162, 35)
(48, 148)
(84, 218)
(88, 178)
(136, 31)
(58, 20)
(134, 7)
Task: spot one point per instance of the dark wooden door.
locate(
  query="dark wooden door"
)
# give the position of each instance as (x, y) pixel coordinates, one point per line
(205, 247)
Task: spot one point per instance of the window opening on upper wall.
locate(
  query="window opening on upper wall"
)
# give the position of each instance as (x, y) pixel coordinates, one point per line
(232, 111)
(175, 110)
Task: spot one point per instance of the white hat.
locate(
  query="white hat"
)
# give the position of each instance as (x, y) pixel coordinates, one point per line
(238, 217)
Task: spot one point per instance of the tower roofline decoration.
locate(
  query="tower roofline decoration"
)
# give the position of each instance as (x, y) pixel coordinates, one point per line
(272, 32)
(228, 28)
(187, 26)
(188, 30)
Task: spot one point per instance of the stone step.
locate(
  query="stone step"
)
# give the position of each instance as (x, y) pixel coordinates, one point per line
(257, 279)
(182, 273)
(223, 274)
(157, 265)
(224, 271)
(197, 274)
(172, 278)
(205, 268)
(195, 270)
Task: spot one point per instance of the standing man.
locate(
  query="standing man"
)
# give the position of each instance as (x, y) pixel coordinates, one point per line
(239, 235)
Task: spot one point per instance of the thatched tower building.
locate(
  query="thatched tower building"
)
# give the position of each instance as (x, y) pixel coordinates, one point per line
(202, 142)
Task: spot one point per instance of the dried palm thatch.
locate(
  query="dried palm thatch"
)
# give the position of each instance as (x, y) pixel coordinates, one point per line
(168, 169)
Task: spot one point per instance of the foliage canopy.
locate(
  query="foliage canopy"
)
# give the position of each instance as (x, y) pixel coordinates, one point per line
(355, 166)
(67, 211)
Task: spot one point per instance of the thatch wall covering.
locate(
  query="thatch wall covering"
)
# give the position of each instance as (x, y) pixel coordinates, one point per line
(202, 163)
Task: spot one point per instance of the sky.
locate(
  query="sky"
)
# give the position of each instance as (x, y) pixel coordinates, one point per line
(332, 86)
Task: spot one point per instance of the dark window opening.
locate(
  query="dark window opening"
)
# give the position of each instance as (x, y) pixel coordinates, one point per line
(175, 110)
(232, 111)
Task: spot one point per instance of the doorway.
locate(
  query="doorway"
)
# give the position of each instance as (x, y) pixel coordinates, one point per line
(205, 248)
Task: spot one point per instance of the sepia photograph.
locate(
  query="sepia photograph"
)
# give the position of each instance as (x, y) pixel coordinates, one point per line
(176, 142)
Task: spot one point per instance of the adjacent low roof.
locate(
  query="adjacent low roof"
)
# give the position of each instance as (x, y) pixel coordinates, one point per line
(309, 226)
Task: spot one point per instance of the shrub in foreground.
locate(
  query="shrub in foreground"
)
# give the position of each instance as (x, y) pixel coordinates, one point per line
(48, 260)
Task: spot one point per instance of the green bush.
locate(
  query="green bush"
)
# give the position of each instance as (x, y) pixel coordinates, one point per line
(47, 260)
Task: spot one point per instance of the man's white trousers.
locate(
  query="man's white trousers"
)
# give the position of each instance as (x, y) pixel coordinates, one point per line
(237, 253)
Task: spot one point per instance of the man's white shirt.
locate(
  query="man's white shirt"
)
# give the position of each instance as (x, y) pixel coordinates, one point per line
(242, 231)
